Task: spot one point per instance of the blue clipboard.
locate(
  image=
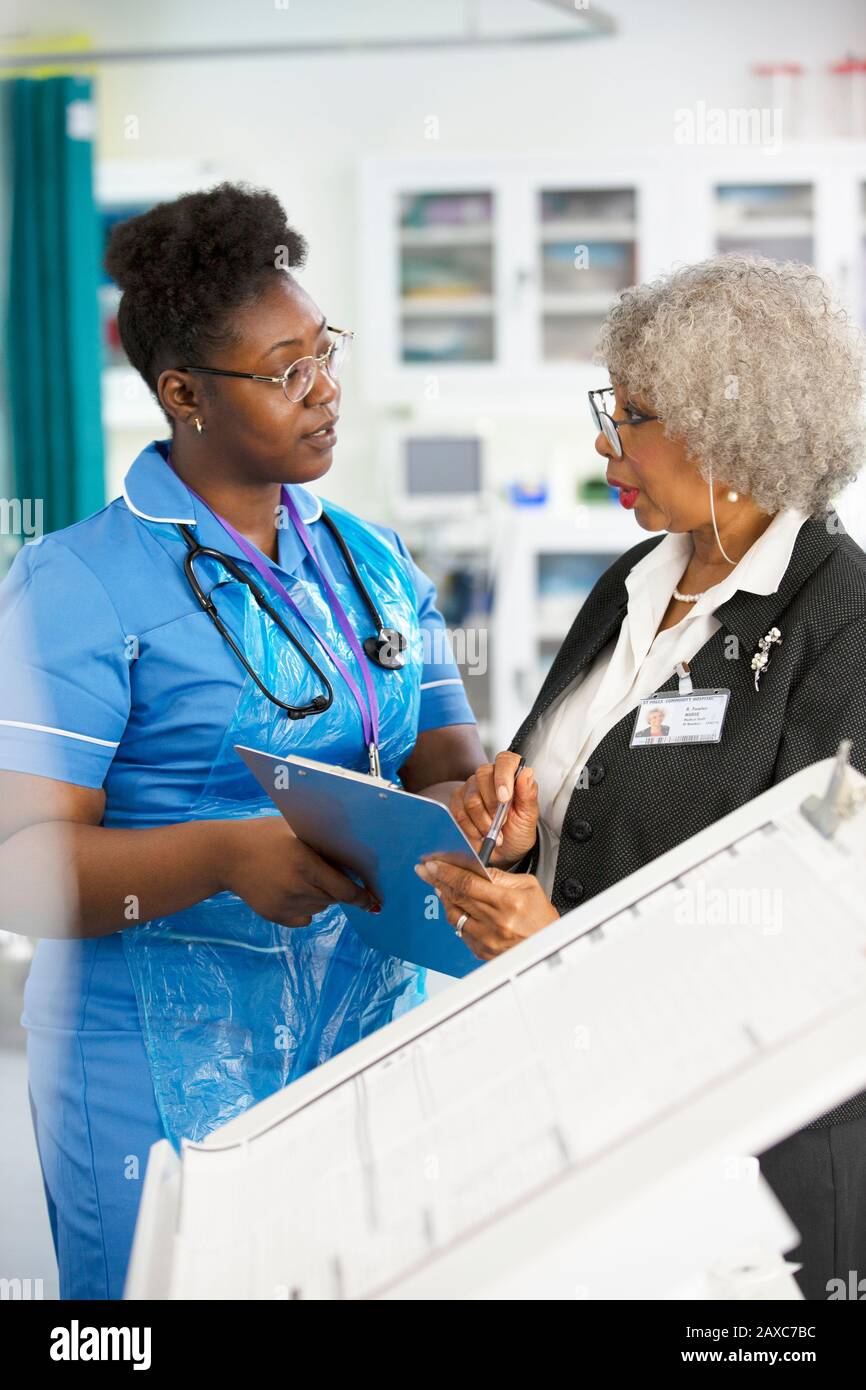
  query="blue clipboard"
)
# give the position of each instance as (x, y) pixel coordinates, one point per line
(378, 833)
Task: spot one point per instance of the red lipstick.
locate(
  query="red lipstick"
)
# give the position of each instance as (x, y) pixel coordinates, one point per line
(627, 494)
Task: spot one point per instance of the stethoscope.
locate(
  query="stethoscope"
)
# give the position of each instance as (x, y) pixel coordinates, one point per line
(386, 648)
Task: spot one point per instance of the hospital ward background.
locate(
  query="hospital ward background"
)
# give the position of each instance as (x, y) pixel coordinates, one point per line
(477, 182)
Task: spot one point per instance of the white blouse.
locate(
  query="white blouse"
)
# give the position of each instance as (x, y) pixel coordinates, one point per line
(635, 663)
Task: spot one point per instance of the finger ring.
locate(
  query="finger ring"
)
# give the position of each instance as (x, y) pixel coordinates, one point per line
(461, 923)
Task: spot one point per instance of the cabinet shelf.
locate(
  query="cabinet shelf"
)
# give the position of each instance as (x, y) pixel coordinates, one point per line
(480, 235)
(446, 306)
(587, 231)
(592, 302)
(761, 228)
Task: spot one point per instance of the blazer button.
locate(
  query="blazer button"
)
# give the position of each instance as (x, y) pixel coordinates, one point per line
(594, 773)
(580, 831)
(572, 890)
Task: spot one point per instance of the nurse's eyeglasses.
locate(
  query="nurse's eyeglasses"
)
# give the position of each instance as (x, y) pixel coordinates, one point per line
(604, 422)
(298, 380)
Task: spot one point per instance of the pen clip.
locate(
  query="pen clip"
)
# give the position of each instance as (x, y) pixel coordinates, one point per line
(375, 765)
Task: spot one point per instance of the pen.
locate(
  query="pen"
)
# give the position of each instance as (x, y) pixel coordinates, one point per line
(488, 844)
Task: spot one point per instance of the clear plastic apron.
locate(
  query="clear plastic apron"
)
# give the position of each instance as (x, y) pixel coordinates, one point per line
(234, 1007)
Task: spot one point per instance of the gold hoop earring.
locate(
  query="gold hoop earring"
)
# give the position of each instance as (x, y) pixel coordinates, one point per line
(198, 424)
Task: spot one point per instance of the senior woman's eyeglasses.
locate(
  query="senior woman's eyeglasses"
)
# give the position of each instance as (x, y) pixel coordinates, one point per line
(604, 421)
(298, 379)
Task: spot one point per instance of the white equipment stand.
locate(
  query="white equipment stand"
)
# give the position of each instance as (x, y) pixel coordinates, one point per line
(578, 1118)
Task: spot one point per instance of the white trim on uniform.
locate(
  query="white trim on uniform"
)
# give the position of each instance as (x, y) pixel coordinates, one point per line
(62, 733)
(451, 680)
(177, 520)
(308, 520)
(191, 521)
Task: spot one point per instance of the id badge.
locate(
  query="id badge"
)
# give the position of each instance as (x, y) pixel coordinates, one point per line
(694, 716)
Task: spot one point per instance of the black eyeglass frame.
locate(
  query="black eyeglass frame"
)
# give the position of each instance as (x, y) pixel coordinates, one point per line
(599, 415)
(343, 335)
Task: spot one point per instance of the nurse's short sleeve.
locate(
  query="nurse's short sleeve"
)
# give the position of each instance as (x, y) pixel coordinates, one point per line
(443, 697)
(64, 668)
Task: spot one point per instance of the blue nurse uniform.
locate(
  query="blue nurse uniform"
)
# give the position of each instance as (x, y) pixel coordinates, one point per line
(74, 609)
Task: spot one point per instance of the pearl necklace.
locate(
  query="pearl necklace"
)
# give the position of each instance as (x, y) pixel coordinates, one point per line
(686, 598)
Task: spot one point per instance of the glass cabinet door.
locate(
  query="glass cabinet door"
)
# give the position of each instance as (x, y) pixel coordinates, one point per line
(564, 580)
(769, 219)
(587, 240)
(447, 277)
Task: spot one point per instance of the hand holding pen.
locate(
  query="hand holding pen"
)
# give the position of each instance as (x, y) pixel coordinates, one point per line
(499, 804)
(491, 839)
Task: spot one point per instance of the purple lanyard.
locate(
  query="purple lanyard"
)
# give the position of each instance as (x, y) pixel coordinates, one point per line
(369, 716)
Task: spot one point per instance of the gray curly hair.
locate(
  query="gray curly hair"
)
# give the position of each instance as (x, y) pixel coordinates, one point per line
(755, 368)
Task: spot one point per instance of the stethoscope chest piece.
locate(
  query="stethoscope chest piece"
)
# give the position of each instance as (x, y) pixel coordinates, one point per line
(387, 649)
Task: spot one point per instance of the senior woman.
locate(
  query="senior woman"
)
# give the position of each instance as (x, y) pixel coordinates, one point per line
(734, 418)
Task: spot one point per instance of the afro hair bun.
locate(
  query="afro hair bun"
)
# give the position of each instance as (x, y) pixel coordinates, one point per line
(184, 266)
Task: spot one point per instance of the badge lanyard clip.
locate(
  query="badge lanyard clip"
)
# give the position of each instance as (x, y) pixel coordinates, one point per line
(682, 669)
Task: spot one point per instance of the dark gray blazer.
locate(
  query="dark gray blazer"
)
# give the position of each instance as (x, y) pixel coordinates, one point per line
(637, 803)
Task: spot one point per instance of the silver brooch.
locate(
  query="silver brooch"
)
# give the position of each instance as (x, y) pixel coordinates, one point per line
(761, 659)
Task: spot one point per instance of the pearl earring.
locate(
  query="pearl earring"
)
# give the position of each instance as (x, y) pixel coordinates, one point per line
(733, 496)
(198, 424)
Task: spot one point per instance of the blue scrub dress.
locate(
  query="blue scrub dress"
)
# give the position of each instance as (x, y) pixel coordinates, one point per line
(78, 612)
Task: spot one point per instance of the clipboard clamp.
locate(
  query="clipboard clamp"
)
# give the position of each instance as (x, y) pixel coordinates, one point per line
(839, 802)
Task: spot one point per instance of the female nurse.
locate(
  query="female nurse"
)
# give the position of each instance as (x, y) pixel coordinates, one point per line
(195, 955)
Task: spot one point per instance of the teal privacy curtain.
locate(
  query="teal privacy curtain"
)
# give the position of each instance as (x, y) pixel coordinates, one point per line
(51, 339)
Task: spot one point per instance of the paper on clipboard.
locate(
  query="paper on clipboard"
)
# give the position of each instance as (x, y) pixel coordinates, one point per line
(379, 833)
